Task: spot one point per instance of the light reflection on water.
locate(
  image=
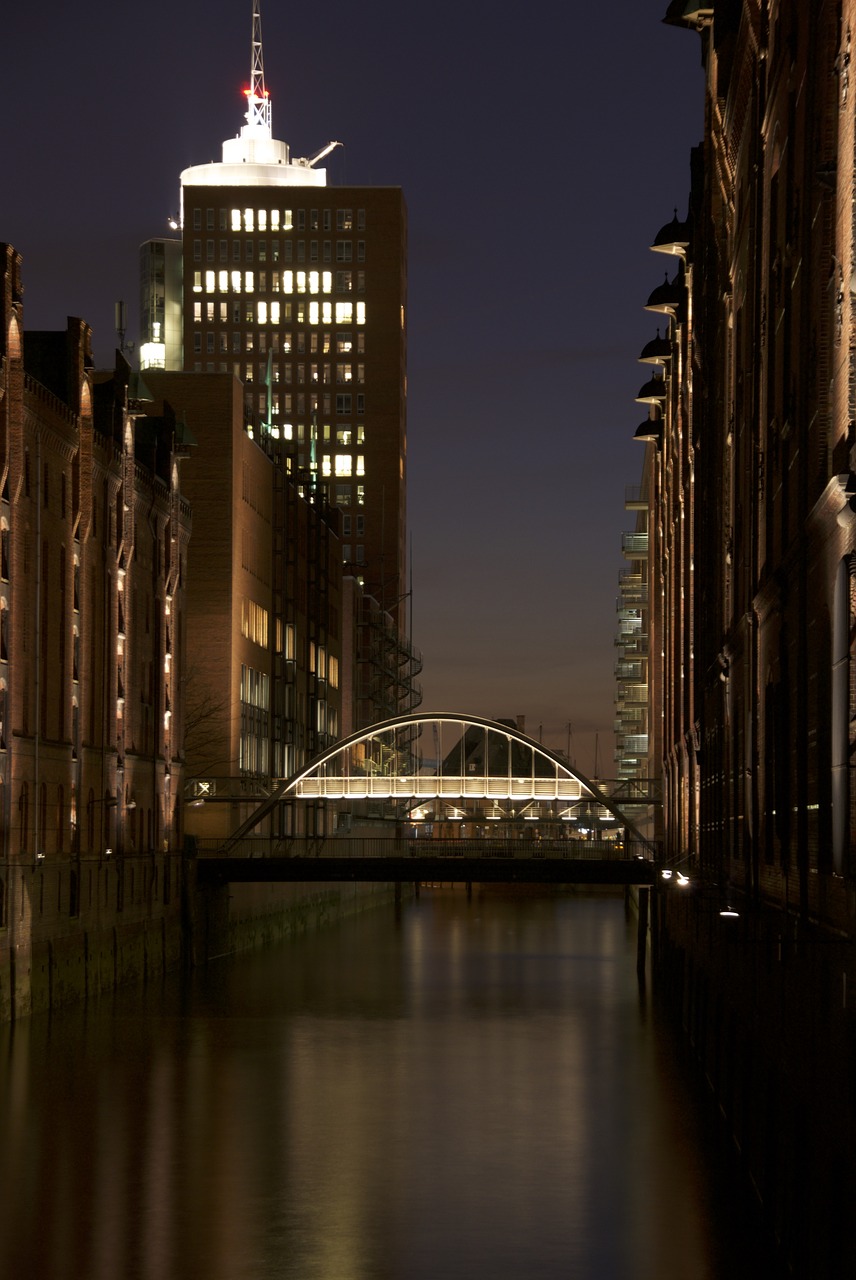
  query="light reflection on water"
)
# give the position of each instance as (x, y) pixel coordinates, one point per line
(476, 1090)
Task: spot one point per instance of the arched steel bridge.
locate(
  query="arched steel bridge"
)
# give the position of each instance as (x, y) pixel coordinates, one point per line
(440, 797)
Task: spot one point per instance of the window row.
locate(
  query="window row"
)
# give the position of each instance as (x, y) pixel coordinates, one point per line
(263, 251)
(252, 220)
(289, 282)
(281, 341)
(314, 374)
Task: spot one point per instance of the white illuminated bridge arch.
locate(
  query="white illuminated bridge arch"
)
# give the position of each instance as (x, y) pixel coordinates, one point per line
(419, 757)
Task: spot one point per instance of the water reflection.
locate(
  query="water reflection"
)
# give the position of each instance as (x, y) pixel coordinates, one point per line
(474, 1090)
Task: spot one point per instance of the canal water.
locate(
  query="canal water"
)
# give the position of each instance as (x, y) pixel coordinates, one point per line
(475, 1088)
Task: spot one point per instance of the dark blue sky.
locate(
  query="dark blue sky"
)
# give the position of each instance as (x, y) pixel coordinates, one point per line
(540, 149)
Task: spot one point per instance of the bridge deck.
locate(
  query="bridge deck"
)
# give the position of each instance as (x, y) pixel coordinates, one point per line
(511, 862)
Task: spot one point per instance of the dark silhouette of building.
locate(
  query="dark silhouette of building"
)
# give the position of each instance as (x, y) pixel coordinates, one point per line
(750, 479)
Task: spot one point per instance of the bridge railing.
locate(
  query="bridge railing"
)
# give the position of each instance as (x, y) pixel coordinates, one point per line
(420, 849)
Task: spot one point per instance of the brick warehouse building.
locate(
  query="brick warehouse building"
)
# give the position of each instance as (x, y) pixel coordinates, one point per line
(94, 539)
(751, 548)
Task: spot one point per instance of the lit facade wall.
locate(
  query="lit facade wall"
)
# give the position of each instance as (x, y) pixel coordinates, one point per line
(94, 538)
(754, 541)
(264, 611)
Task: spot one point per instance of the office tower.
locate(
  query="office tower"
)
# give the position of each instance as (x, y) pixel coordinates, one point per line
(300, 290)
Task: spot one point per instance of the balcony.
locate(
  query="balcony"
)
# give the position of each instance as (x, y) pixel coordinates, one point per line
(633, 500)
(635, 545)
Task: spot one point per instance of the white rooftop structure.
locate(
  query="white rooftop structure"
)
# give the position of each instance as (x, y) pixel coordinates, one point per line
(255, 158)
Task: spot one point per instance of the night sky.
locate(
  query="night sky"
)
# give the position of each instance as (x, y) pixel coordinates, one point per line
(540, 148)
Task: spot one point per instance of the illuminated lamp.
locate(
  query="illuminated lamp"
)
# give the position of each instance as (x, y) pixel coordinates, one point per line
(657, 351)
(728, 913)
(650, 429)
(653, 391)
(695, 11)
(673, 238)
(668, 297)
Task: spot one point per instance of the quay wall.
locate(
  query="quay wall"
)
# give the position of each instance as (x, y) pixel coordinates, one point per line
(766, 1004)
(71, 934)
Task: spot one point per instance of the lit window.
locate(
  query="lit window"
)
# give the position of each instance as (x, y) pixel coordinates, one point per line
(262, 219)
(344, 281)
(197, 312)
(361, 313)
(301, 282)
(274, 219)
(326, 281)
(236, 282)
(314, 313)
(262, 312)
(288, 282)
(248, 220)
(210, 281)
(314, 281)
(361, 465)
(344, 436)
(236, 219)
(344, 220)
(344, 373)
(327, 312)
(223, 281)
(344, 464)
(197, 282)
(344, 342)
(326, 468)
(274, 313)
(248, 281)
(361, 495)
(345, 312)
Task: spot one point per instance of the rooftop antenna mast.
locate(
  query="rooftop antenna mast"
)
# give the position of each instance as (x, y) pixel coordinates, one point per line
(258, 98)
